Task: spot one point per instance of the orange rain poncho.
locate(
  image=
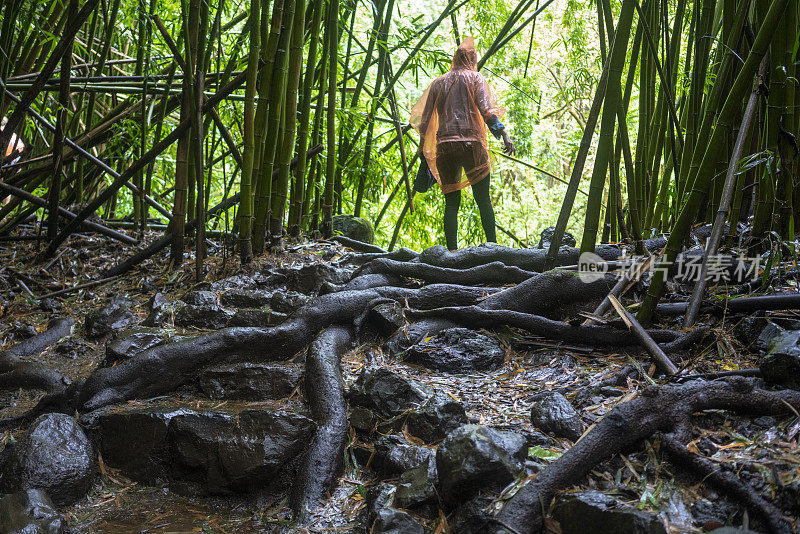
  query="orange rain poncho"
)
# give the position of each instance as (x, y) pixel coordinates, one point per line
(451, 116)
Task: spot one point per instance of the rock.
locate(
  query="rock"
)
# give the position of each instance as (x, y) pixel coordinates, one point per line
(356, 228)
(749, 328)
(207, 317)
(132, 343)
(161, 311)
(108, 319)
(243, 451)
(394, 455)
(547, 236)
(23, 331)
(388, 393)
(363, 419)
(379, 496)
(475, 457)
(386, 318)
(768, 334)
(256, 317)
(414, 333)
(415, 487)
(245, 298)
(457, 350)
(29, 512)
(49, 305)
(577, 510)
(287, 301)
(392, 521)
(472, 517)
(250, 381)
(54, 455)
(436, 417)
(200, 298)
(781, 365)
(552, 412)
(234, 282)
(709, 515)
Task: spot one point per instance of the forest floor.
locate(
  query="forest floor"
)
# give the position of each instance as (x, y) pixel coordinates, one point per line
(764, 450)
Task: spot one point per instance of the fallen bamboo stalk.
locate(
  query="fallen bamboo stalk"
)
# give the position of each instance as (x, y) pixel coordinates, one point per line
(777, 301)
(658, 355)
(629, 277)
(86, 285)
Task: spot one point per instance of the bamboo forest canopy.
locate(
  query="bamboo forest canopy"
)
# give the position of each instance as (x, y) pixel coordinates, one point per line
(267, 119)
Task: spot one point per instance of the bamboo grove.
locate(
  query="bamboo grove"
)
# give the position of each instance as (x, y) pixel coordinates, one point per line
(694, 114)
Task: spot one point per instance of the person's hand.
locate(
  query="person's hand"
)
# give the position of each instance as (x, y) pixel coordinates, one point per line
(509, 148)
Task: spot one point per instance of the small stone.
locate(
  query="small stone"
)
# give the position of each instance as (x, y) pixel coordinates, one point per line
(577, 510)
(394, 455)
(457, 350)
(113, 317)
(386, 318)
(471, 517)
(474, 457)
(200, 298)
(436, 417)
(768, 334)
(552, 412)
(388, 393)
(49, 305)
(392, 521)
(415, 487)
(54, 455)
(234, 282)
(29, 512)
(132, 343)
(363, 419)
(250, 381)
(23, 331)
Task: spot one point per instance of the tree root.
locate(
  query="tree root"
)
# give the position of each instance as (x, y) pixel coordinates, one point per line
(56, 330)
(490, 273)
(401, 254)
(358, 246)
(15, 374)
(322, 461)
(666, 409)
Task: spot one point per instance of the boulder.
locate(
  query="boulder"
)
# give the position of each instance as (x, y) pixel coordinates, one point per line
(250, 381)
(768, 334)
(206, 317)
(29, 512)
(113, 317)
(386, 318)
(552, 412)
(471, 517)
(415, 487)
(245, 298)
(577, 510)
(547, 236)
(256, 317)
(388, 393)
(54, 455)
(356, 228)
(457, 350)
(436, 417)
(200, 298)
(475, 457)
(781, 365)
(243, 451)
(394, 455)
(132, 342)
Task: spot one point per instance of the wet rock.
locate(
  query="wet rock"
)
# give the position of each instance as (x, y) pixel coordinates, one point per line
(394, 455)
(356, 228)
(29, 512)
(457, 350)
(552, 412)
(436, 417)
(54, 455)
(392, 521)
(71, 347)
(575, 511)
(415, 487)
(415, 333)
(709, 515)
(234, 282)
(475, 457)
(250, 381)
(256, 317)
(246, 298)
(160, 311)
(207, 317)
(113, 317)
(768, 334)
(363, 419)
(23, 331)
(547, 236)
(200, 298)
(379, 496)
(287, 301)
(472, 517)
(135, 441)
(132, 343)
(781, 365)
(388, 393)
(241, 451)
(386, 318)
(749, 328)
(49, 305)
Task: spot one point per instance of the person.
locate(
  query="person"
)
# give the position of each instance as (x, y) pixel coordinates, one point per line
(452, 118)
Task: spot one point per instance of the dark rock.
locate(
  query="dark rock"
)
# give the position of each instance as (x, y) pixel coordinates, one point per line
(472, 517)
(23, 331)
(415, 487)
(394, 455)
(363, 419)
(379, 496)
(234, 282)
(749, 328)
(436, 417)
(287, 301)
(552, 412)
(49, 305)
(71, 347)
(415, 333)
(204, 317)
(392, 521)
(161, 311)
(307, 279)
(356, 228)
(250, 381)
(577, 510)
(256, 317)
(386, 318)
(29, 512)
(54, 455)
(200, 298)
(241, 451)
(475, 457)
(781, 365)
(457, 350)
(132, 343)
(388, 393)
(246, 298)
(768, 334)
(108, 319)
(547, 236)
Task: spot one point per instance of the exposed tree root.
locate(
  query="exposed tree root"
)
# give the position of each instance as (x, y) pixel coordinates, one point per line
(324, 388)
(15, 374)
(666, 409)
(401, 254)
(358, 246)
(56, 330)
(490, 273)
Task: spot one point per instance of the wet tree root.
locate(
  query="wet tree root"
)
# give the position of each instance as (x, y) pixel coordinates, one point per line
(358, 246)
(490, 273)
(324, 388)
(667, 409)
(15, 374)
